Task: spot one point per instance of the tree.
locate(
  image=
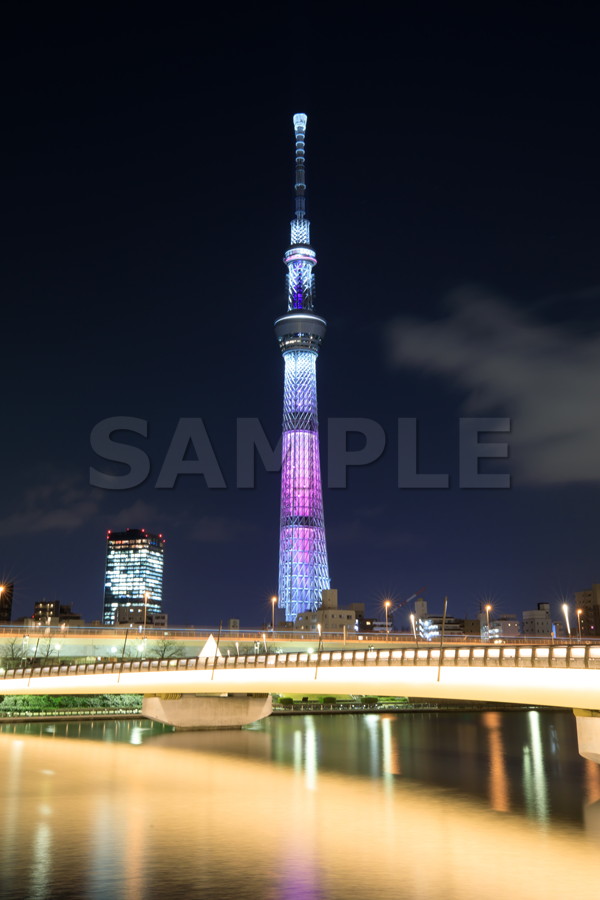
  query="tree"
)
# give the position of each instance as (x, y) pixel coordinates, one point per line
(165, 649)
(11, 653)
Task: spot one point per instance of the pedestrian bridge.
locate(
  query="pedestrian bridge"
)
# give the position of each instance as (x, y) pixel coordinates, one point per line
(560, 675)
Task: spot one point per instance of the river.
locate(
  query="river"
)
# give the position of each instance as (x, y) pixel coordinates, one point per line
(422, 806)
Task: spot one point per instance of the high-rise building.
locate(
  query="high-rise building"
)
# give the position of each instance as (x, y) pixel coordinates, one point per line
(6, 601)
(303, 567)
(134, 572)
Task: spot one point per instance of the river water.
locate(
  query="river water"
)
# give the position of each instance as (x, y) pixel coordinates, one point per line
(422, 806)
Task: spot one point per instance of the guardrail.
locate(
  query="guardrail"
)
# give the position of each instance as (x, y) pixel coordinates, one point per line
(156, 633)
(565, 656)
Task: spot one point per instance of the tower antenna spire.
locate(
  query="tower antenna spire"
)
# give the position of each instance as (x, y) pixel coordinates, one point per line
(300, 120)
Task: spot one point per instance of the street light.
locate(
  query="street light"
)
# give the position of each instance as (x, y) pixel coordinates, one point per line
(387, 605)
(565, 609)
(414, 629)
(273, 602)
(579, 615)
(320, 630)
(488, 609)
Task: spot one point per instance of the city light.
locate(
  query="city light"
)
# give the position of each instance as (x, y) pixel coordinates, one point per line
(387, 604)
(565, 609)
(488, 609)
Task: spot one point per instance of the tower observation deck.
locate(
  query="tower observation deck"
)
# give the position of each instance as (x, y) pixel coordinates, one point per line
(303, 567)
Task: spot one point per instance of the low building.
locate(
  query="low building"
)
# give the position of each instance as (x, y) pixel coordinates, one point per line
(472, 627)
(588, 601)
(430, 629)
(500, 628)
(139, 614)
(51, 612)
(329, 617)
(538, 622)
(372, 625)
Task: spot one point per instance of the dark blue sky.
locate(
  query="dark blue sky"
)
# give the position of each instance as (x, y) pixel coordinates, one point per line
(454, 192)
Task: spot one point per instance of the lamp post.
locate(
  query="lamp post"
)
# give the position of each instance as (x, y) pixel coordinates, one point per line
(387, 605)
(488, 607)
(579, 615)
(565, 609)
(414, 628)
(320, 630)
(273, 602)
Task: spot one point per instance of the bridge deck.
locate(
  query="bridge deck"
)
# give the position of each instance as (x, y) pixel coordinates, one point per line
(551, 675)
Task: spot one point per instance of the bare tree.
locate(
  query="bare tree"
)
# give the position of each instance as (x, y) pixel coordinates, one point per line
(11, 653)
(165, 649)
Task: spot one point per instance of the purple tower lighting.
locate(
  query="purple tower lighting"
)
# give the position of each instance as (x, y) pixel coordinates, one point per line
(303, 568)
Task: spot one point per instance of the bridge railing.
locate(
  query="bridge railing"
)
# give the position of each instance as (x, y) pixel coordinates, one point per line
(567, 656)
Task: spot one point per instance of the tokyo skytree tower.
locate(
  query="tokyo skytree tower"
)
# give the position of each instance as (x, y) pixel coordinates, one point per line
(303, 568)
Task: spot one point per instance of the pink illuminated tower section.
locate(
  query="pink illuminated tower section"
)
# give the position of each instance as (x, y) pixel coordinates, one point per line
(303, 569)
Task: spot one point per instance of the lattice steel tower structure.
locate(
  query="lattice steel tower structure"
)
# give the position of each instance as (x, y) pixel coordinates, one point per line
(303, 568)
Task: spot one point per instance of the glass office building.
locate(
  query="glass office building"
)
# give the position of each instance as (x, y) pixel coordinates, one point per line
(134, 573)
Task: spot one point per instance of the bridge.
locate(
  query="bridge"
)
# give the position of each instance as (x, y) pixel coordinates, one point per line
(225, 691)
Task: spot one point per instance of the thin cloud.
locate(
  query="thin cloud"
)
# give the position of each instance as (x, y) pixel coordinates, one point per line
(507, 362)
(360, 533)
(218, 530)
(139, 512)
(58, 506)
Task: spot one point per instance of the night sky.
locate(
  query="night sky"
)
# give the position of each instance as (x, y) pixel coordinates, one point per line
(454, 196)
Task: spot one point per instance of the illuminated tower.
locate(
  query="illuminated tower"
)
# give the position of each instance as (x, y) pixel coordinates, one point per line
(303, 569)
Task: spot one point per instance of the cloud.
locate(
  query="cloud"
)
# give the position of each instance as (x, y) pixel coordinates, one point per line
(139, 512)
(545, 377)
(60, 505)
(218, 530)
(363, 531)
(64, 503)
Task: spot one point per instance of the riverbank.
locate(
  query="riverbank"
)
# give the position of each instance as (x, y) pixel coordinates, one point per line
(299, 709)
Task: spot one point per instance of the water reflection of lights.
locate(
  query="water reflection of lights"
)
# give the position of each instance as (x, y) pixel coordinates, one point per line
(389, 748)
(372, 723)
(534, 777)
(139, 829)
(498, 783)
(41, 862)
(310, 753)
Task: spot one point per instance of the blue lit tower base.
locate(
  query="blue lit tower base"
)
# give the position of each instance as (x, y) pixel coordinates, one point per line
(303, 568)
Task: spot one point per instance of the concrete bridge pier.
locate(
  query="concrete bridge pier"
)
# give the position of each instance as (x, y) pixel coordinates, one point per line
(195, 712)
(588, 733)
